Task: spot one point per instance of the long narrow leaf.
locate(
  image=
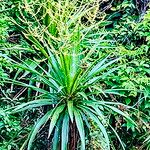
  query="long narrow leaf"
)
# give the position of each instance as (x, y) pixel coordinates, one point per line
(65, 132)
(36, 128)
(80, 126)
(70, 110)
(33, 104)
(57, 133)
(118, 137)
(121, 113)
(55, 117)
(100, 125)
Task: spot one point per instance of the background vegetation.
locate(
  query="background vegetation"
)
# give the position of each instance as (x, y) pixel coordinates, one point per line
(81, 65)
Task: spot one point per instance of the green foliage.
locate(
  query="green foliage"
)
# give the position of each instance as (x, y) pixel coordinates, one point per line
(63, 87)
(9, 128)
(132, 41)
(146, 141)
(67, 75)
(62, 79)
